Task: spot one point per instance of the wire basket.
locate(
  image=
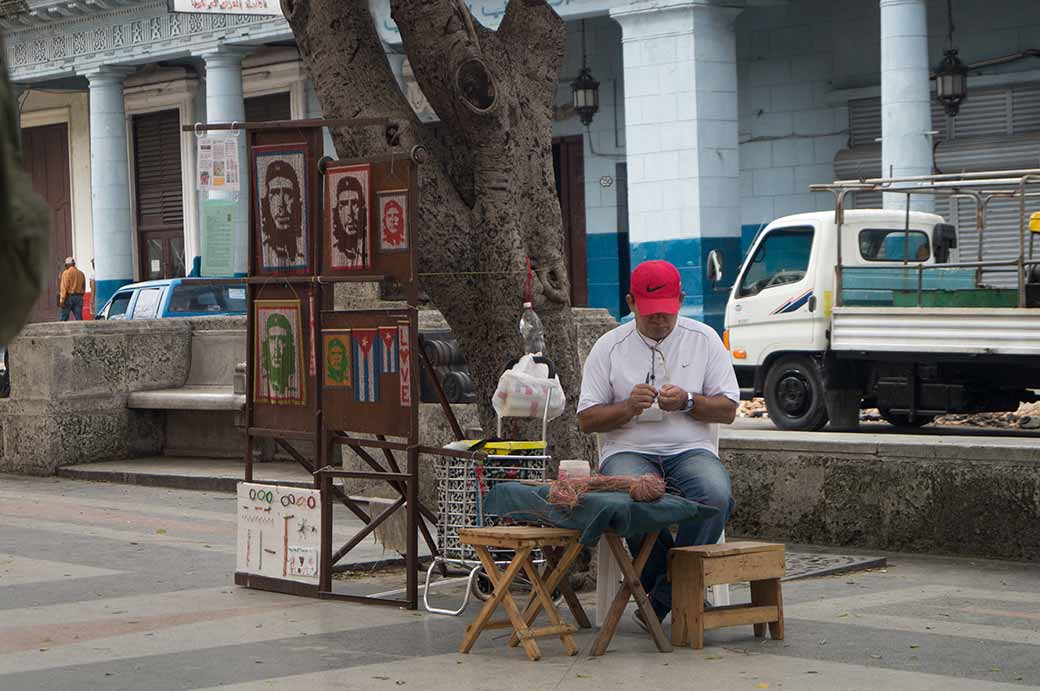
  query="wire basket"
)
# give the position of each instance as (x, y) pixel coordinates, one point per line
(462, 484)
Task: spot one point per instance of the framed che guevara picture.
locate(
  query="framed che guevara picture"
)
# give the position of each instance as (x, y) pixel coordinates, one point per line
(282, 214)
(392, 212)
(278, 353)
(338, 370)
(347, 212)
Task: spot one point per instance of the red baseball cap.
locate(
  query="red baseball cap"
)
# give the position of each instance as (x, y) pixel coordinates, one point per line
(656, 287)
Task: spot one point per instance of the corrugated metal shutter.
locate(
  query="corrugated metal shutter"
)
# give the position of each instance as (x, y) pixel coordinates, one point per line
(978, 154)
(269, 108)
(1000, 237)
(865, 121)
(157, 168)
(866, 200)
(1025, 107)
(996, 129)
(984, 113)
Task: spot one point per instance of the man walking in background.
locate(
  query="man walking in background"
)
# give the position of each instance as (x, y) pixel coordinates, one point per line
(73, 285)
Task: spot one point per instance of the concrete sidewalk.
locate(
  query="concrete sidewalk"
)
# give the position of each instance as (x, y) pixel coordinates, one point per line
(208, 474)
(116, 587)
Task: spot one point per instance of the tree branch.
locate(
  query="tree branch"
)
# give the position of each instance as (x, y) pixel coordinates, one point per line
(347, 65)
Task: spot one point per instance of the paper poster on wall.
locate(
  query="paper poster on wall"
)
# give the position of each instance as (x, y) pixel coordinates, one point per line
(217, 164)
(279, 531)
(218, 223)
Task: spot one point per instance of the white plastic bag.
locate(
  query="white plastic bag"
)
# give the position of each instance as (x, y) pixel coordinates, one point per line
(523, 388)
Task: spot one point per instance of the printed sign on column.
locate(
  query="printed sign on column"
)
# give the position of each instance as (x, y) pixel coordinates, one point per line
(217, 163)
(366, 367)
(404, 352)
(388, 349)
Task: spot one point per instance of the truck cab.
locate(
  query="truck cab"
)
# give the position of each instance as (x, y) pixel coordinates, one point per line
(816, 353)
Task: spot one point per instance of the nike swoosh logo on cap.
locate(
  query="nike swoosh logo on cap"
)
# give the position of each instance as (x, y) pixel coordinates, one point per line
(650, 290)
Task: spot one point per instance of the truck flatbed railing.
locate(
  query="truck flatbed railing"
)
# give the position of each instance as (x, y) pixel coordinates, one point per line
(982, 187)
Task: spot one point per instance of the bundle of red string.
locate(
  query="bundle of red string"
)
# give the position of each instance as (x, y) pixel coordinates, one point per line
(569, 491)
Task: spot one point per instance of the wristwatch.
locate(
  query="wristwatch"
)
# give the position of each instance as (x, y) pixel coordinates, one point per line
(688, 404)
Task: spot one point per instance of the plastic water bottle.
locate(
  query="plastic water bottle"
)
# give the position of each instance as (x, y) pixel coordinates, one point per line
(531, 330)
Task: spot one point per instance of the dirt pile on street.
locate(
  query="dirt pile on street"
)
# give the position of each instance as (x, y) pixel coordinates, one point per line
(1026, 417)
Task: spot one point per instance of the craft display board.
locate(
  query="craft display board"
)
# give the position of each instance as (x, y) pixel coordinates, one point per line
(317, 375)
(368, 378)
(368, 224)
(278, 533)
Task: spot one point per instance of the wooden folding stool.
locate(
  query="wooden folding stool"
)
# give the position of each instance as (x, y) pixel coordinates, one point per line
(630, 588)
(523, 541)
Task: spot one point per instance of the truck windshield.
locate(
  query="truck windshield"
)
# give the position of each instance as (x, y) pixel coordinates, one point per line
(893, 245)
(781, 258)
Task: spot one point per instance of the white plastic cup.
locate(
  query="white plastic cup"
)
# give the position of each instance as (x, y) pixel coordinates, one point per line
(573, 469)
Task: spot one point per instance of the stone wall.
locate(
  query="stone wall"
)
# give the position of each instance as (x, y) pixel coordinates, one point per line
(69, 383)
(935, 495)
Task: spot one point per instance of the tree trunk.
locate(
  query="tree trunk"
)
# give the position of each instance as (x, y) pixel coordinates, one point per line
(487, 196)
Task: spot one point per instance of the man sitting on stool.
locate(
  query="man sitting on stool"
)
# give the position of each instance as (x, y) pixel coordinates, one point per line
(652, 388)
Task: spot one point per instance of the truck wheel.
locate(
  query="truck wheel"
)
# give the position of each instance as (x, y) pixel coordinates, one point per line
(794, 394)
(904, 420)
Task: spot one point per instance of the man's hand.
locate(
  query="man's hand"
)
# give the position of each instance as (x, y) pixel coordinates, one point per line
(641, 398)
(671, 398)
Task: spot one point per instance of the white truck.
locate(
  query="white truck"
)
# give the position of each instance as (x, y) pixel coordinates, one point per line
(836, 311)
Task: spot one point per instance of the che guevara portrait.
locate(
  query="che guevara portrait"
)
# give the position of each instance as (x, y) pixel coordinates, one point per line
(278, 353)
(336, 347)
(393, 220)
(346, 216)
(282, 199)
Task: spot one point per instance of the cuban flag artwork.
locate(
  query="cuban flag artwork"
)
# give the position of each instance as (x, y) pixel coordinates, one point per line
(388, 354)
(366, 366)
(406, 372)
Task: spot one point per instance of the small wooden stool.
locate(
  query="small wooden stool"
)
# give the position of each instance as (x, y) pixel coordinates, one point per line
(524, 541)
(692, 569)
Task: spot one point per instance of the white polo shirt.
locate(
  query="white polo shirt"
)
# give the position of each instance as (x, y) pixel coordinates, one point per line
(692, 357)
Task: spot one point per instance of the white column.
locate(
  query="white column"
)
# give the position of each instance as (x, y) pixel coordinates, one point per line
(906, 114)
(224, 103)
(680, 68)
(109, 182)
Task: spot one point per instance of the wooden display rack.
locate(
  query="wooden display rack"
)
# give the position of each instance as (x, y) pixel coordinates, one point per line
(291, 279)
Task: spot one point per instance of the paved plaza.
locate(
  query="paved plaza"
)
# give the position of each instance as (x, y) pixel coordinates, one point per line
(119, 587)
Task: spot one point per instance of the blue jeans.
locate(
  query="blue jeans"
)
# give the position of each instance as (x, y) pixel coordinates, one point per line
(73, 303)
(697, 475)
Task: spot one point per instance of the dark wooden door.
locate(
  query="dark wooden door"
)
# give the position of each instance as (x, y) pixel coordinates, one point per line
(569, 166)
(160, 198)
(45, 154)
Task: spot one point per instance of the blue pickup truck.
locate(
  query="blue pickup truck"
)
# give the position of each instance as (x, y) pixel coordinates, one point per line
(175, 297)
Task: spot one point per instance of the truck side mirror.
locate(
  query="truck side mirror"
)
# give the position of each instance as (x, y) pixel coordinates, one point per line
(714, 266)
(944, 238)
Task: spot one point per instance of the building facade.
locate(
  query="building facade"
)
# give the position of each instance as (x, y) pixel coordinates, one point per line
(714, 118)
